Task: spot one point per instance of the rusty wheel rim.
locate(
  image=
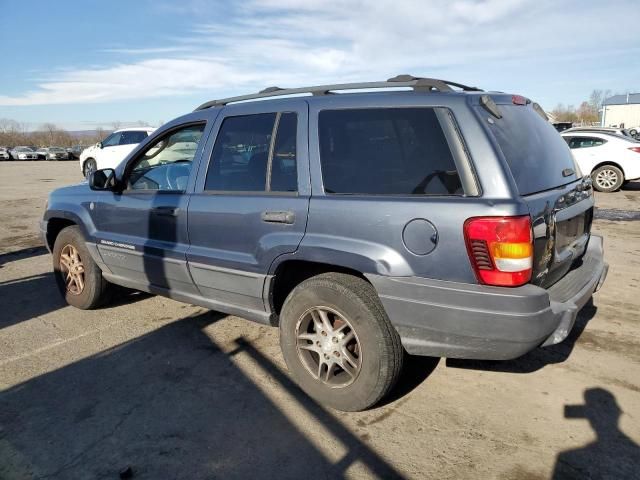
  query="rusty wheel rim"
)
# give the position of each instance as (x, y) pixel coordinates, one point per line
(72, 270)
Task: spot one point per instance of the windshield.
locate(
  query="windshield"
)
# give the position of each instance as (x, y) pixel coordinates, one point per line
(538, 157)
(23, 149)
(56, 149)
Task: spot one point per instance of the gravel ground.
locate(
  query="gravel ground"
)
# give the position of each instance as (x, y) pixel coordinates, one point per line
(175, 391)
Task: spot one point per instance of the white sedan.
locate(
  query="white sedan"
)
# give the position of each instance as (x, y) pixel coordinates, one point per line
(611, 160)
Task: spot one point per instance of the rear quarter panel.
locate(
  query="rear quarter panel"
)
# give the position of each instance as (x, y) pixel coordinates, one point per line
(366, 232)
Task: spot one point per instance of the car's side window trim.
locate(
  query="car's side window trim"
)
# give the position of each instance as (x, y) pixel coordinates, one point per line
(452, 135)
(129, 166)
(272, 143)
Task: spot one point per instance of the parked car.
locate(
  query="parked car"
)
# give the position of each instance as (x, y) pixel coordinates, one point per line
(4, 153)
(42, 153)
(361, 224)
(75, 151)
(611, 160)
(57, 153)
(23, 153)
(112, 150)
(611, 130)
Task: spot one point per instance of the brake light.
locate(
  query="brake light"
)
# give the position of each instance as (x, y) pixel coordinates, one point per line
(500, 249)
(519, 100)
(635, 149)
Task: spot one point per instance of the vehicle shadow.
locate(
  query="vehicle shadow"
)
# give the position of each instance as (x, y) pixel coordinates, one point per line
(171, 404)
(30, 297)
(632, 186)
(611, 455)
(22, 254)
(538, 358)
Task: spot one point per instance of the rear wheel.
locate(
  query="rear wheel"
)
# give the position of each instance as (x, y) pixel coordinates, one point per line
(338, 342)
(89, 167)
(78, 277)
(607, 178)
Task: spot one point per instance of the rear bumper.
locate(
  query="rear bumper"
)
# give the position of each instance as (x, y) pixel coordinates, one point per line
(457, 320)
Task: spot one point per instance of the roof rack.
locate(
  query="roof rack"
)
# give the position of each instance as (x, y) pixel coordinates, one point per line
(419, 84)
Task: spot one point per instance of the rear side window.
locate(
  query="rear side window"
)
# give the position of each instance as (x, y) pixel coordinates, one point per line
(534, 150)
(130, 138)
(386, 151)
(246, 157)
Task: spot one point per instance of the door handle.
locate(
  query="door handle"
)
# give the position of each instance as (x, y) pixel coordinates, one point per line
(278, 217)
(165, 211)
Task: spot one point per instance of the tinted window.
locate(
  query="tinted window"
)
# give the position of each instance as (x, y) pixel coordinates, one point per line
(585, 142)
(284, 176)
(133, 137)
(534, 150)
(166, 164)
(241, 153)
(112, 140)
(391, 151)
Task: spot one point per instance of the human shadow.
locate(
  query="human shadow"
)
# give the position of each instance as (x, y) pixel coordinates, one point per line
(611, 455)
(171, 404)
(538, 358)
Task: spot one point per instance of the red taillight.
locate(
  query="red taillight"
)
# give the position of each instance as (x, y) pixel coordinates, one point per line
(500, 249)
(635, 149)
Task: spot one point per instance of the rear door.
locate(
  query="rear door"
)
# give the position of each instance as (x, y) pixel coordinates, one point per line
(251, 200)
(548, 180)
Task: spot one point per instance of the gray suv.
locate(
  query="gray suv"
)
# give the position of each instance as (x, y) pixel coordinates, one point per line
(366, 221)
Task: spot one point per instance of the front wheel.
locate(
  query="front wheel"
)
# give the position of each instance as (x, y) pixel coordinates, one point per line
(90, 166)
(607, 178)
(338, 342)
(78, 277)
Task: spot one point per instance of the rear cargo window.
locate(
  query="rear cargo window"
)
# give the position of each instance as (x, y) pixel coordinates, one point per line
(534, 150)
(386, 151)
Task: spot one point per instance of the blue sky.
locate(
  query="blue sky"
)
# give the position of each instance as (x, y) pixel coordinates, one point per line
(82, 64)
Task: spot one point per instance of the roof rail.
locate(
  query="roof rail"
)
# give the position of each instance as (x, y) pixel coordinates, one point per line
(419, 84)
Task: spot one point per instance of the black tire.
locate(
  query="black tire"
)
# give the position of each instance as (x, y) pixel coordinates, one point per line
(379, 348)
(96, 290)
(89, 166)
(607, 178)
(633, 132)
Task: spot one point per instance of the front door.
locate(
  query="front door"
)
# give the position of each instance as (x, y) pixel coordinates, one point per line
(250, 202)
(142, 232)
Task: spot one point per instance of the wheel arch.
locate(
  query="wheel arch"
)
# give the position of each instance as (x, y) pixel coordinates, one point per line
(290, 273)
(614, 164)
(54, 226)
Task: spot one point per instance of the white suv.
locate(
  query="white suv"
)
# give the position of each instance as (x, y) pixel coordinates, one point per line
(113, 149)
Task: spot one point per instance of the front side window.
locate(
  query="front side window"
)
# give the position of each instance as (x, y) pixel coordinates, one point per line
(386, 151)
(133, 137)
(246, 157)
(112, 140)
(166, 164)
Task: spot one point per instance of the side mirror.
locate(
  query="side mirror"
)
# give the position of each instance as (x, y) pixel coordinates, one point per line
(99, 145)
(104, 179)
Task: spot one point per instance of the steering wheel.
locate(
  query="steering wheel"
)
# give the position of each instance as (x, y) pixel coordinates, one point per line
(170, 175)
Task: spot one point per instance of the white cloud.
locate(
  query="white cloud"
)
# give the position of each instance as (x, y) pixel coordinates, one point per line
(295, 42)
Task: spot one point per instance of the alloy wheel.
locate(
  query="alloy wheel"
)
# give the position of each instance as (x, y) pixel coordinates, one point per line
(328, 347)
(72, 270)
(606, 178)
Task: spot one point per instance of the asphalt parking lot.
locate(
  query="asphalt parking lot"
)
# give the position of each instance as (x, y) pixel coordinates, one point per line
(175, 391)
